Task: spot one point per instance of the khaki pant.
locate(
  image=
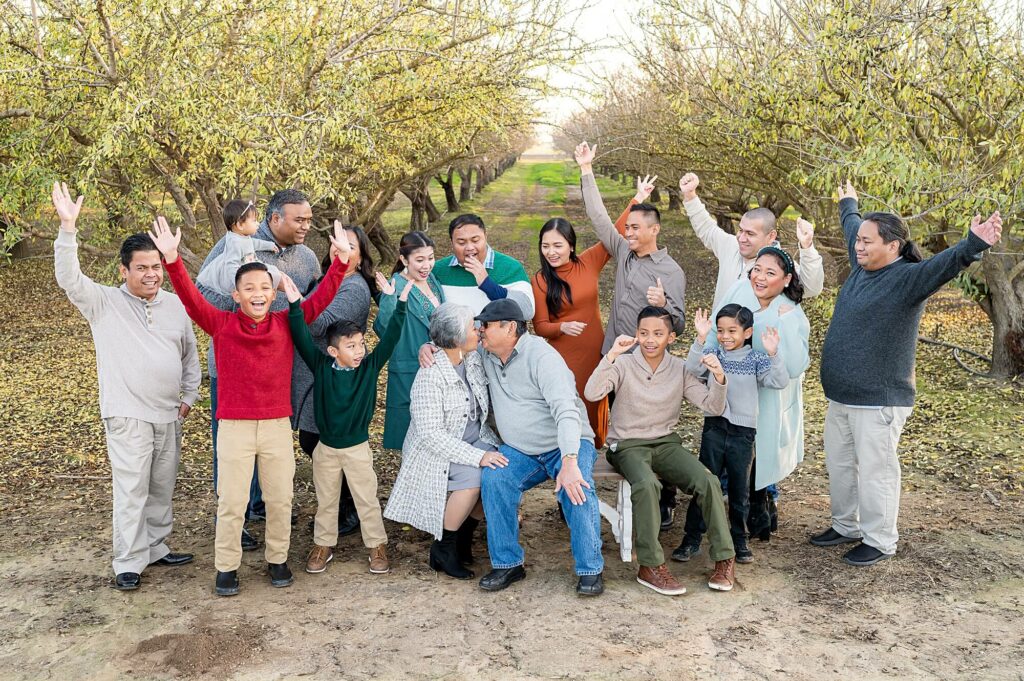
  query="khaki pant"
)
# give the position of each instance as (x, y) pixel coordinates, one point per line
(330, 466)
(240, 443)
(864, 471)
(144, 467)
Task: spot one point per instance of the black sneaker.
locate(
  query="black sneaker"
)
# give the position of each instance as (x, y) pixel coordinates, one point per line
(744, 554)
(863, 555)
(590, 585)
(227, 583)
(280, 575)
(249, 542)
(832, 538)
(685, 552)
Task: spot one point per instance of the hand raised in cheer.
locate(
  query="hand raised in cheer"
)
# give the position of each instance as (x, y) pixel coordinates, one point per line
(67, 208)
(688, 186)
(585, 154)
(847, 192)
(287, 285)
(714, 367)
(622, 344)
(644, 187)
(702, 324)
(166, 241)
(656, 294)
(572, 328)
(770, 340)
(989, 231)
(804, 233)
(340, 241)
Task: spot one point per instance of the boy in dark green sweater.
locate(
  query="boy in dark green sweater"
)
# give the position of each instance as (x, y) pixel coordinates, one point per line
(344, 397)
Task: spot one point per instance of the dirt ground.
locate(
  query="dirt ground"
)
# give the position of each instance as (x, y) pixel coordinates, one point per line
(950, 605)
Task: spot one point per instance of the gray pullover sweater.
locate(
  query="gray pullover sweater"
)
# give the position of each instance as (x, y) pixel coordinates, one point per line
(746, 370)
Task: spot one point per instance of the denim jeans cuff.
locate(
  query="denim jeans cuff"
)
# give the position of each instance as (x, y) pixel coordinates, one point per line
(588, 573)
(508, 566)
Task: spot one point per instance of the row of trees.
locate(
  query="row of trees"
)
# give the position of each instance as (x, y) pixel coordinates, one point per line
(179, 106)
(919, 102)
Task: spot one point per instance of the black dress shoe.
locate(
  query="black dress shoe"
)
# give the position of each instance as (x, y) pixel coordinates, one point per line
(249, 542)
(863, 555)
(348, 523)
(173, 559)
(496, 580)
(832, 538)
(127, 581)
(667, 515)
(227, 583)
(280, 575)
(590, 585)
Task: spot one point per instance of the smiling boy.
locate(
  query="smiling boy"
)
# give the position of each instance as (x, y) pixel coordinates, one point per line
(254, 352)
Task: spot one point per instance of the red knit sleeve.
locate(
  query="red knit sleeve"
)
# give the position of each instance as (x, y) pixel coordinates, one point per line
(205, 315)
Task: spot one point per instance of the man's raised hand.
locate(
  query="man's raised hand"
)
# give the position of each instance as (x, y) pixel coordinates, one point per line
(340, 241)
(804, 233)
(702, 324)
(67, 208)
(166, 241)
(989, 231)
(644, 187)
(585, 155)
(847, 192)
(688, 186)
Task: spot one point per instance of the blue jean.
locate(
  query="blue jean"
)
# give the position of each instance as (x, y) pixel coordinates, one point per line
(256, 504)
(502, 491)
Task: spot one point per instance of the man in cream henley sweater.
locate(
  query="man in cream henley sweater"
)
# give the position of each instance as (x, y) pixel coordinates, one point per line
(149, 375)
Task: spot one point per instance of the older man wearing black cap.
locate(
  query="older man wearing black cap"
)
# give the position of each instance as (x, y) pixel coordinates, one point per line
(543, 423)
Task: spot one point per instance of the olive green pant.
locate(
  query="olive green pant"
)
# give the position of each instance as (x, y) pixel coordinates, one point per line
(642, 462)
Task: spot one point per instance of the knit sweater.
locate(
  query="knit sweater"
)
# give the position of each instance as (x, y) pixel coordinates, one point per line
(534, 400)
(868, 355)
(647, 402)
(219, 273)
(255, 358)
(146, 359)
(505, 278)
(732, 265)
(344, 400)
(746, 370)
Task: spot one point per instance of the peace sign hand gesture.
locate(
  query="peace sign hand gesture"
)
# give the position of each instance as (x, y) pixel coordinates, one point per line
(585, 155)
(644, 187)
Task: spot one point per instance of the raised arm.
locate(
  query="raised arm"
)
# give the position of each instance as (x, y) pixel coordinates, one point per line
(301, 337)
(208, 317)
(393, 332)
(930, 275)
(83, 292)
(794, 331)
(318, 301)
(596, 213)
(850, 219)
(607, 376)
(811, 269)
(714, 238)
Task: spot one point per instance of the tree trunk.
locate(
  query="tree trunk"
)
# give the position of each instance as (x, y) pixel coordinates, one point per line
(655, 196)
(725, 222)
(481, 180)
(433, 214)
(675, 201)
(1005, 308)
(448, 184)
(465, 185)
(417, 208)
(382, 242)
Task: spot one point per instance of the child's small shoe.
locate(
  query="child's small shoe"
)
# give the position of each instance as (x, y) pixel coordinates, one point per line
(685, 552)
(379, 564)
(318, 559)
(744, 554)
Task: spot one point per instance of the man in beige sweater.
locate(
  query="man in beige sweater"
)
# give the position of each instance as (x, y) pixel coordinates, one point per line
(149, 375)
(650, 385)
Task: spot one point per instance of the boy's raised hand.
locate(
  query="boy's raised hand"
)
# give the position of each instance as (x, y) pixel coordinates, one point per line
(770, 340)
(404, 295)
(340, 241)
(702, 324)
(622, 344)
(386, 286)
(67, 209)
(290, 289)
(166, 241)
(714, 366)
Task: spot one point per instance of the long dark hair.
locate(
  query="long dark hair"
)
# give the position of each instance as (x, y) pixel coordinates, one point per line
(892, 228)
(558, 289)
(409, 243)
(365, 259)
(795, 288)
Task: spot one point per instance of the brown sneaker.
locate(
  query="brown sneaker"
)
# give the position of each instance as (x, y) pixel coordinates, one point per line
(724, 575)
(318, 559)
(379, 560)
(661, 580)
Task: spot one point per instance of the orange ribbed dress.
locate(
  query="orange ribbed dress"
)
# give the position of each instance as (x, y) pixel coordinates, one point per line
(583, 352)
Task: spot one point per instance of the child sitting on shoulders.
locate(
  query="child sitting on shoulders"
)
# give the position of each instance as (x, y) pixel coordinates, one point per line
(727, 443)
(344, 398)
(240, 248)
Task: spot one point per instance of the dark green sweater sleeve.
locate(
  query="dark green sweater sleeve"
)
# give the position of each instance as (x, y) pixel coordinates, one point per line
(382, 353)
(303, 340)
(930, 275)
(849, 218)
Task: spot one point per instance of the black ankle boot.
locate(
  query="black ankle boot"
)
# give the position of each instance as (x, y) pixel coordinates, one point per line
(464, 540)
(444, 557)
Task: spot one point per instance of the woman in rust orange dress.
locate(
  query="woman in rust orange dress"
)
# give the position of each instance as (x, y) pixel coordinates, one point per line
(568, 312)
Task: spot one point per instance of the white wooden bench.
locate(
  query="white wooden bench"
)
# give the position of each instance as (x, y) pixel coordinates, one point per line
(621, 515)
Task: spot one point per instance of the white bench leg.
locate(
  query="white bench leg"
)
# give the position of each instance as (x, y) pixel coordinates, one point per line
(624, 508)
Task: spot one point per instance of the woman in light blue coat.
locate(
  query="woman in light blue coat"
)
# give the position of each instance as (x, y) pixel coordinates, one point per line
(773, 292)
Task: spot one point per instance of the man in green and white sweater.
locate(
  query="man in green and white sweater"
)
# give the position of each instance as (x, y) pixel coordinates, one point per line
(475, 274)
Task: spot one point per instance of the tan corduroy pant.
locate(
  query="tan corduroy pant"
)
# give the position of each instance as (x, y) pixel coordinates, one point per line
(240, 443)
(330, 467)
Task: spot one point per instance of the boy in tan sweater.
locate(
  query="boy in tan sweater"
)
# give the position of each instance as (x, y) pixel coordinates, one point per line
(649, 387)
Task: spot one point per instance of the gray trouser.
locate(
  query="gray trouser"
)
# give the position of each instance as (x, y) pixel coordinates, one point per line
(144, 465)
(864, 471)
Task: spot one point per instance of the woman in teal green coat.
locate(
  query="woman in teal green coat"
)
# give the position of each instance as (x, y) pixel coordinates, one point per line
(415, 263)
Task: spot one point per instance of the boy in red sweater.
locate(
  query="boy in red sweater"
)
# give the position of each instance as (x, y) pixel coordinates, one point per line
(253, 349)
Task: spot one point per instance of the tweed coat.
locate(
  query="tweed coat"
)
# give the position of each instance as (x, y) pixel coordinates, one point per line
(439, 413)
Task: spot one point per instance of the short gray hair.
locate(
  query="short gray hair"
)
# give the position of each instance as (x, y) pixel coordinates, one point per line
(448, 325)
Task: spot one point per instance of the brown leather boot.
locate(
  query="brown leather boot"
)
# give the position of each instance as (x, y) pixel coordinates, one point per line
(661, 580)
(379, 560)
(724, 575)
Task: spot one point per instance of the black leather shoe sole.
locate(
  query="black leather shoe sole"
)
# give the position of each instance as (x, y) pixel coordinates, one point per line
(491, 582)
(227, 590)
(173, 559)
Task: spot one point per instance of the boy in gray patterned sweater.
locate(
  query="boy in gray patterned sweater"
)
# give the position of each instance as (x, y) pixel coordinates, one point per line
(727, 443)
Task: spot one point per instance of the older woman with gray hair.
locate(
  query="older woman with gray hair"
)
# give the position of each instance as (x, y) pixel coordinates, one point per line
(447, 444)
